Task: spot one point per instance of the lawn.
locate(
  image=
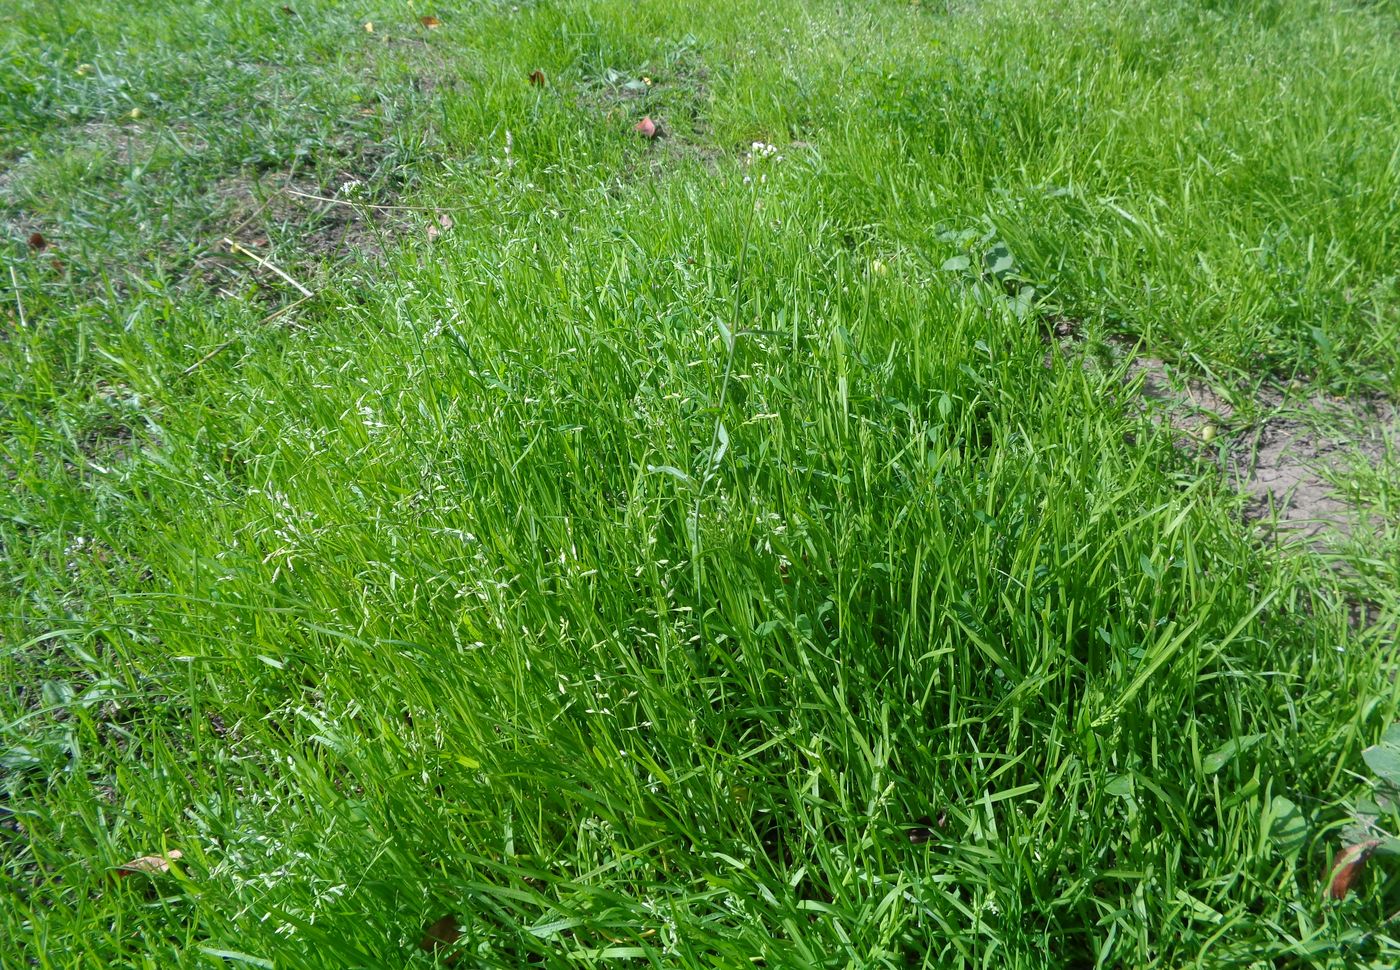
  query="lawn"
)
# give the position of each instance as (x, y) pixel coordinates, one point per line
(447, 523)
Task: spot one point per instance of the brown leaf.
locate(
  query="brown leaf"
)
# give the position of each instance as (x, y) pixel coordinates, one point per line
(440, 934)
(149, 864)
(289, 11)
(647, 127)
(37, 242)
(921, 833)
(432, 23)
(1347, 866)
(439, 226)
(537, 78)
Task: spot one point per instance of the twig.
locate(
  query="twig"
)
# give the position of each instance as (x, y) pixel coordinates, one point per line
(237, 248)
(365, 205)
(18, 302)
(229, 343)
(283, 309)
(398, 208)
(203, 250)
(207, 357)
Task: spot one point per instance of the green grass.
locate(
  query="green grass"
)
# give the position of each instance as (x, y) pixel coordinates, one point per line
(686, 559)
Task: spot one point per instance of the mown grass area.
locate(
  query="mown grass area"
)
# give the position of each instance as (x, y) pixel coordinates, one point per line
(690, 552)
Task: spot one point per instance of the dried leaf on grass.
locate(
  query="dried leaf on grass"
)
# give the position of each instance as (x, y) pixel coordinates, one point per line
(647, 128)
(440, 934)
(537, 78)
(432, 23)
(439, 226)
(150, 864)
(1347, 867)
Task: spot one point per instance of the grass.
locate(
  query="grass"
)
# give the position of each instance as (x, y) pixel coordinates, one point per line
(691, 557)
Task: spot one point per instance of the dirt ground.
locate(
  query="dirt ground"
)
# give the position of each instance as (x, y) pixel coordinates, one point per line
(1290, 458)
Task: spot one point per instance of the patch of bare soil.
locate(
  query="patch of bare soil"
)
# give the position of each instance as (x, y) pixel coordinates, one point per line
(1287, 460)
(286, 216)
(109, 146)
(287, 213)
(1288, 468)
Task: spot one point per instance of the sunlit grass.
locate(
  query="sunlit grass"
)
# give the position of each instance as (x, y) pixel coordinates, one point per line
(686, 559)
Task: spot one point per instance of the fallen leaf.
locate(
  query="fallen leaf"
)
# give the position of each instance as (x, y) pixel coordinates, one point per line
(537, 78)
(440, 934)
(150, 864)
(439, 226)
(369, 26)
(289, 11)
(37, 242)
(922, 832)
(1347, 866)
(647, 127)
(432, 23)
(133, 115)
